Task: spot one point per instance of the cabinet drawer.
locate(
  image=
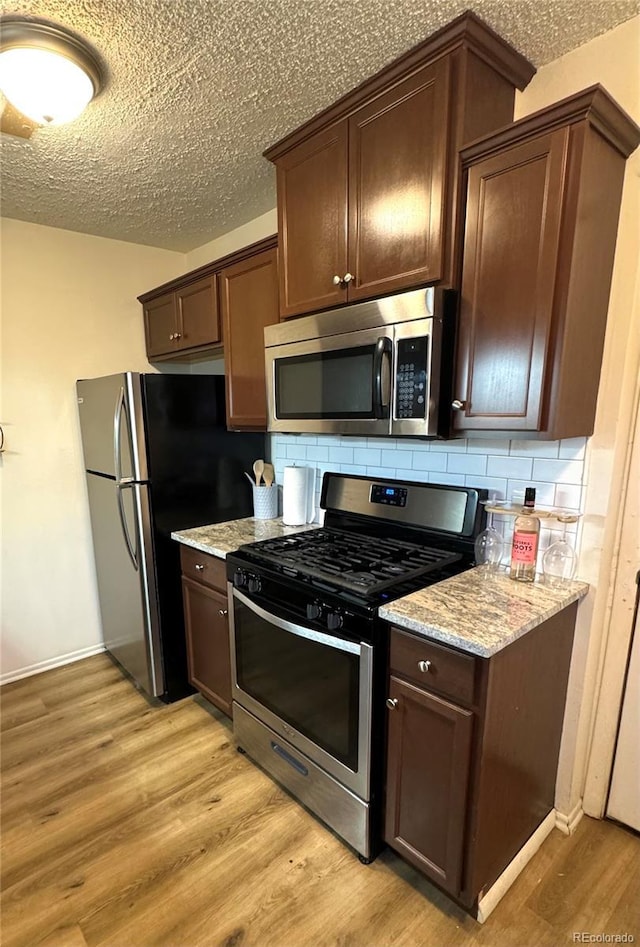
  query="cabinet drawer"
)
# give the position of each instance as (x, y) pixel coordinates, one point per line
(205, 568)
(433, 666)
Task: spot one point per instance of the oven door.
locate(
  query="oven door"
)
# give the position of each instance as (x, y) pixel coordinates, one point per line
(314, 688)
(335, 385)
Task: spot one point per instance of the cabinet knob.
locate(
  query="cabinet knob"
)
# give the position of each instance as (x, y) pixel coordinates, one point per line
(458, 405)
(199, 568)
(171, 337)
(424, 666)
(347, 277)
(336, 280)
(223, 611)
(391, 702)
(177, 336)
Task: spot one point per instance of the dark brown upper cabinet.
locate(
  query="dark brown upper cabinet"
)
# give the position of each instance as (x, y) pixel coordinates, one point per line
(249, 302)
(368, 191)
(183, 320)
(543, 200)
(221, 309)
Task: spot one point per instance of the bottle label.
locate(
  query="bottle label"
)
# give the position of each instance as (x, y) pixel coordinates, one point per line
(525, 547)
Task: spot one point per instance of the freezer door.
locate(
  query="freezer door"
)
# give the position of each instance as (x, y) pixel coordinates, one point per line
(111, 423)
(121, 527)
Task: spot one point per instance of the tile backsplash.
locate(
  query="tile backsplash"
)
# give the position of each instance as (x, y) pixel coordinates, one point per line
(555, 468)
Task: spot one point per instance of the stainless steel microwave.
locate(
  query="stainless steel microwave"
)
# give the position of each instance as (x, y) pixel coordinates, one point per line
(378, 368)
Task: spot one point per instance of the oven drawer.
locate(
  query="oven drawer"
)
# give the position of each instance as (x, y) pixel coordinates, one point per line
(341, 809)
(205, 568)
(433, 666)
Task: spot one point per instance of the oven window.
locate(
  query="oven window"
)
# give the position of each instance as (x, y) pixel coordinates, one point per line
(311, 686)
(337, 384)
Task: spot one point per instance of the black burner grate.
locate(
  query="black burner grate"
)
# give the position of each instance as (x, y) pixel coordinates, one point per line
(352, 561)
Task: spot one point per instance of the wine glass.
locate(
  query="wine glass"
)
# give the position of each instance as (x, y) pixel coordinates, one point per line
(489, 547)
(559, 560)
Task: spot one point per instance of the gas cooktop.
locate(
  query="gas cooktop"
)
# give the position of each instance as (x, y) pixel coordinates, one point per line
(381, 539)
(339, 559)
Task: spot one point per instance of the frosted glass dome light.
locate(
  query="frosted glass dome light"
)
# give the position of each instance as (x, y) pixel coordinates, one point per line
(46, 73)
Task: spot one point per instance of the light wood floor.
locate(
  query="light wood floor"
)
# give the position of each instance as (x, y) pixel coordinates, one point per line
(125, 824)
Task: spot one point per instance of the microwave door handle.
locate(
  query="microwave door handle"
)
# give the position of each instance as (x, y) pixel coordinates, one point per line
(381, 378)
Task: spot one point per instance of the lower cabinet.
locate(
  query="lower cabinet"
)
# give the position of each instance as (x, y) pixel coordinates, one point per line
(207, 626)
(472, 752)
(428, 771)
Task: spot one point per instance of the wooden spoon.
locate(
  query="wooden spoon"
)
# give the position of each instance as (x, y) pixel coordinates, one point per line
(268, 474)
(258, 467)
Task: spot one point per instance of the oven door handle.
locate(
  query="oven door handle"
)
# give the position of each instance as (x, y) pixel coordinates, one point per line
(338, 643)
(382, 377)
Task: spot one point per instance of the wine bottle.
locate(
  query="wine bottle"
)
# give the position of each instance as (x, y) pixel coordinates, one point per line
(526, 536)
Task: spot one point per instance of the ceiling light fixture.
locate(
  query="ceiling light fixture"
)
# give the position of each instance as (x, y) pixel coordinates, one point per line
(46, 73)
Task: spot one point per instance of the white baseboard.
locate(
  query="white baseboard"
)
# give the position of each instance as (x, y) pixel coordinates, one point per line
(500, 887)
(50, 663)
(568, 823)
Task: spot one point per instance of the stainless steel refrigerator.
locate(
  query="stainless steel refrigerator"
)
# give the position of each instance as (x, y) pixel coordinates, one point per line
(158, 458)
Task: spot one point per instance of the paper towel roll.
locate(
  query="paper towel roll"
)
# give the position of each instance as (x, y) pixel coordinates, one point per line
(295, 496)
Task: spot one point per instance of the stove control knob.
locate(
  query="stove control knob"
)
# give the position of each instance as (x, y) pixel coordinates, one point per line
(254, 584)
(334, 621)
(239, 579)
(314, 611)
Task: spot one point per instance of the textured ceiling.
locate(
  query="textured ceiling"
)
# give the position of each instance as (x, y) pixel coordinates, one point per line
(169, 154)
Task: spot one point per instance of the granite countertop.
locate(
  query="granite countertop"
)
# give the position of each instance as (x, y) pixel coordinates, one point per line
(472, 611)
(220, 539)
(478, 613)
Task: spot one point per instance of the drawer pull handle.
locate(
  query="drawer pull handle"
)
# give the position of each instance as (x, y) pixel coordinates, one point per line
(391, 702)
(223, 611)
(199, 568)
(424, 666)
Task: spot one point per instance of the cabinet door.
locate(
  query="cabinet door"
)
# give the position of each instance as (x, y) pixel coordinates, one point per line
(312, 222)
(160, 321)
(198, 320)
(249, 302)
(397, 163)
(428, 758)
(514, 206)
(207, 631)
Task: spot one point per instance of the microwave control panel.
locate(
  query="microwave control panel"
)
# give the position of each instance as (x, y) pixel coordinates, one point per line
(411, 377)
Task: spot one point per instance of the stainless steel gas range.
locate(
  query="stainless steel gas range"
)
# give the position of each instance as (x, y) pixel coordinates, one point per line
(309, 653)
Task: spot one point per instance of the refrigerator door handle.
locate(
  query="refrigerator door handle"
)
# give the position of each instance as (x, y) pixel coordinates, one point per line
(123, 522)
(148, 586)
(117, 459)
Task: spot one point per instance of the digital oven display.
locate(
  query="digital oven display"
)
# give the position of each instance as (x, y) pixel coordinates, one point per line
(389, 496)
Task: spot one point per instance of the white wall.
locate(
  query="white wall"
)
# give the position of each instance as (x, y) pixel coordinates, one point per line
(554, 468)
(257, 229)
(69, 310)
